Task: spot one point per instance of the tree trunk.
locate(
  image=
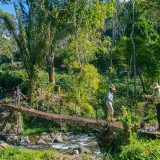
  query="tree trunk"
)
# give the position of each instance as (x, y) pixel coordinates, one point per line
(50, 66)
(76, 32)
(134, 51)
(141, 79)
(113, 35)
(51, 75)
(32, 85)
(32, 92)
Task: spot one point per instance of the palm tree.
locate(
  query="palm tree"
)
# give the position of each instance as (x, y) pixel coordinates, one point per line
(31, 30)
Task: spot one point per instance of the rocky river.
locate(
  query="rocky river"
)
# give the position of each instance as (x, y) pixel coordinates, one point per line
(11, 127)
(68, 142)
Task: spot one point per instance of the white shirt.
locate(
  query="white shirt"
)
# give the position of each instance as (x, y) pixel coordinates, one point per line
(109, 96)
(155, 96)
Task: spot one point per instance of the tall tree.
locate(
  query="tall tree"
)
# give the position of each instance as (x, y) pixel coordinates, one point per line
(133, 44)
(145, 37)
(60, 28)
(7, 43)
(32, 34)
(88, 18)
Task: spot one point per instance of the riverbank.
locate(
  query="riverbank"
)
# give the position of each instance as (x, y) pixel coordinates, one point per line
(17, 153)
(64, 143)
(67, 146)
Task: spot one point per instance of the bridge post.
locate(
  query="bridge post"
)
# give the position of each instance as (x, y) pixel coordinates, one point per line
(86, 126)
(57, 88)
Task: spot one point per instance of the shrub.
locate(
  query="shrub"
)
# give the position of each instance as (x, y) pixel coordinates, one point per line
(11, 78)
(140, 150)
(17, 153)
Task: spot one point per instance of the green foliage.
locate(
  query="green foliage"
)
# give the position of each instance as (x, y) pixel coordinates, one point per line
(32, 125)
(27, 154)
(11, 77)
(80, 88)
(7, 47)
(89, 78)
(31, 131)
(17, 153)
(126, 118)
(31, 31)
(88, 20)
(82, 49)
(129, 119)
(42, 80)
(140, 150)
(87, 110)
(76, 129)
(149, 34)
(147, 67)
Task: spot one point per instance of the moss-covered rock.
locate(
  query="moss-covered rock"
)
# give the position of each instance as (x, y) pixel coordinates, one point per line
(10, 122)
(109, 138)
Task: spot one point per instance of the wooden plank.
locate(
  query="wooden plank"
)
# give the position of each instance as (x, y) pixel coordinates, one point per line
(155, 133)
(81, 121)
(90, 123)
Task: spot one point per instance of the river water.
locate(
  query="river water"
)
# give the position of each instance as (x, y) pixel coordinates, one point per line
(77, 140)
(73, 140)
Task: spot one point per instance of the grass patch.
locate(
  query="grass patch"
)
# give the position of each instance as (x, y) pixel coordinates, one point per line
(33, 131)
(141, 150)
(18, 153)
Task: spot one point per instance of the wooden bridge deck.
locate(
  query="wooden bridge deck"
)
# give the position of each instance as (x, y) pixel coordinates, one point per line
(80, 121)
(150, 133)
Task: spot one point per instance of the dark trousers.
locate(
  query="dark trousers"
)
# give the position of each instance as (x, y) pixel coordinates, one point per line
(158, 113)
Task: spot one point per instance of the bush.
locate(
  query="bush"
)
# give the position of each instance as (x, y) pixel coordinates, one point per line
(11, 78)
(14, 76)
(140, 150)
(28, 154)
(43, 79)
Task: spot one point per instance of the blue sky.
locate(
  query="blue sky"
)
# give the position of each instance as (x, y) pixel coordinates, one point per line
(7, 8)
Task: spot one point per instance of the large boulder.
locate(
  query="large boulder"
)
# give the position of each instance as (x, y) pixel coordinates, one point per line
(110, 137)
(10, 122)
(58, 139)
(3, 144)
(83, 150)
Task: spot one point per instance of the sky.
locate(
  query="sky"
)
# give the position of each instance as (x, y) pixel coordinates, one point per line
(7, 8)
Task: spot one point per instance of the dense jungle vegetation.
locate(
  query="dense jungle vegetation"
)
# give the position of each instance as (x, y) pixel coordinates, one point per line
(65, 54)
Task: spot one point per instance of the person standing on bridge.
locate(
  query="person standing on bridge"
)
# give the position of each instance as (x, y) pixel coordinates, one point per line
(17, 95)
(108, 98)
(156, 98)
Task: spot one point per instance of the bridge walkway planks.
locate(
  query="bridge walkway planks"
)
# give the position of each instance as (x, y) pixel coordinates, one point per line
(86, 122)
(150, 133)
(73, 120)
